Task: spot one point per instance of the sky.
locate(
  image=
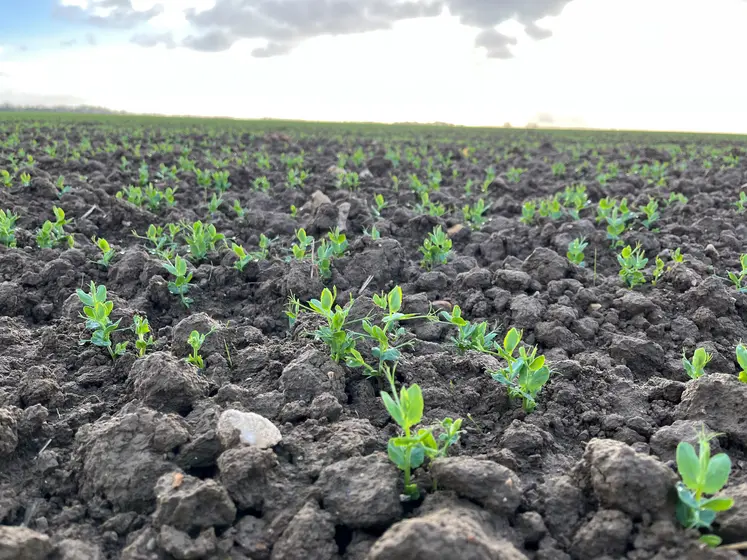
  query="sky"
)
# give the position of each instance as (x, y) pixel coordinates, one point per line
(627, 64)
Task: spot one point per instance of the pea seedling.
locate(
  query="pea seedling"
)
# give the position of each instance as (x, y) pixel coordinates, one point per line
(7, 228)
(180, 285)
(651, 212)
(52, 234)
(196, 340)
(305, 242)
(474, 214)
(658, 271)
(632, 262)
(528, 210)
(742, 361)
(701, 474)
(470, 336)
(576, 249)
(202, 239)
(142, 329)
(96, 311)
(737, 278)
(525, 375)
(436, 248)
(741, 204)
(107, 253)
(695, 368)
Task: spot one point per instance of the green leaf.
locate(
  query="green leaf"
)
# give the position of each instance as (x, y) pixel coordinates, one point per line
(397, 455)
(717, 474)
(327, 300)
(537, 364)
(742, 356)
(414, 406)
(717, 504)
(710, 540)
(393, 410)
(395, 299)
(687, 464)
(511, 341)
(417, 455)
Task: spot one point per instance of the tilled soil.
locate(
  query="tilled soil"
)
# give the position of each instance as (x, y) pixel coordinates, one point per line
(124, 459)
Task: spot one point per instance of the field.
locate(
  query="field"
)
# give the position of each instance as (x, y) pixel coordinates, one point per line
(455, 343)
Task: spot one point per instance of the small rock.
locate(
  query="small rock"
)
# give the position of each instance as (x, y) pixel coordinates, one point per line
(164, 383)
(247, 428)
(19, 543)
(244, 472)
(8, 432)
(182, 547)
(188, 503)
(309, 536)
(73, 549)
(606, 534)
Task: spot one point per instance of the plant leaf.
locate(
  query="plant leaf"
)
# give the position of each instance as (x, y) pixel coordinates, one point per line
(717, 474)
(687, 464)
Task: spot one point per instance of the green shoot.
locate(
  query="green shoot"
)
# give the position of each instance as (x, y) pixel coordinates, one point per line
(695, 368)
(632, 262)
(261, 184)
(737, 278)
(7, 228)
(304, 243)
(436, 248)
(470, 336)
(474, 214)
(379, 205)
(658, 271)
(677, 256)
(25, 180)
(96, 311)
(107, 253)
(196, 340)
(202, 239)
(244, 258)
(52, 234)
(576, 249)
(142, 329)
(651, 212)
(214, 203)
(180, 285)
(701, 474)
(514, 174)
(528, 209)
(741, 204)
(240, 212)
(525, 375)
(373, 233)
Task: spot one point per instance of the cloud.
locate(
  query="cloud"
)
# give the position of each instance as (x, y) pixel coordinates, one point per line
(496, 44)
(115, 14)
(69, 43)
(154, 39)
(212, 41)
(537, 33)
(91, 39)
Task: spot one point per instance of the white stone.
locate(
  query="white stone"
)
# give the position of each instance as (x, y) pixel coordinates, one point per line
(247, 428)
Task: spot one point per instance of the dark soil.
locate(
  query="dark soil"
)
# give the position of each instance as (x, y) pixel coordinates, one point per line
(124, 459)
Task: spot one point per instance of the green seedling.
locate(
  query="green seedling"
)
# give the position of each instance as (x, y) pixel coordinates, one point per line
(427, 206)
(575, 200)
(303, 244)
(558, 169)
(292, 310)
(5, 178)
(52, 234)
(475, 214)
(701, 474)
(373, 233)
(528, 210)
(214, 203)
(107, 253)
(525, 374)
(379, 205)
(338, 242)
(323, 258)
(551, 208)
(180, 284)
(8, 228)
(261, 184)
(96, 311)
(676, 197)
(737, 278)
(677, 256)
(25, 180)
(293, 211)
(295, 178)
(350, 180)
(244, 258)
(695, 368)
(741, 204)
(658, 271)
(651, 210)
(133, 195)
(335, 334)
(436, 249)
(195, 341)
(604, 208)
(632, 262)
(142, 330)
(220, 181)
(240, 212)
(514, 174)
(470, 336)
(61, 187)
(576, 249)
(742, 361)
(201, 239)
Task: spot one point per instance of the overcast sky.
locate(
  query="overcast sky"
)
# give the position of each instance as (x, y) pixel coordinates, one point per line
(641, 64)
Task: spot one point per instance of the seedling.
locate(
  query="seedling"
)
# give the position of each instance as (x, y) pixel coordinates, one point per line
(196, 340)
(180, 284)
(295, 178)
(8, 228)
(436, 248)
(304, 243)
(474, 214)
(658, 271)
(5, 178)
(676, 197)
(240, 212)
(202, 239)
(350, 181)
(214, 203)
(245, 258)
(701, 474)
(514, 174)
(52, 234)
(142, 329)
(576, 249)
(25, 180)
(470, 336)
(695, 368)
(96, 311)
(651, 212)
(379, 205)
(632, 262)
(373, 233)
(107, 253)
(741, 204)
(528, 210)
(261, 184)
(575, 199)
(293, 210)
(133, 195)
(525, 375)
(334, 334)
(742, 361)
(737, 278)
(551, 208)
(677, 256)
(338, 242)
(558, 169)
(220, 181)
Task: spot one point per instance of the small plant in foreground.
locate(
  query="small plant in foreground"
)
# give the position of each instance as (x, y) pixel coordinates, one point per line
(142, 329)
(528, 209)
(96, 311)
(195, 341)
(474, 214)
(379, 205)
(303, 244)
(525, 375)
(695, 368)
(7, 228)
(436, 248)
(244, 258)
(25, 180)
(701, 474)
(742, 361)
(180, 284)
(651, 210)
(334, 334)
(202, 239)
(737, 278)
(107, 253)
(576, 250)
(658, 271)
(261, 184)
(470, 336)
(52, 234)
(632, 262)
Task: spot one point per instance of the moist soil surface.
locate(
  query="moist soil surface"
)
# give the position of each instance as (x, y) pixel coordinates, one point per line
(125, 458)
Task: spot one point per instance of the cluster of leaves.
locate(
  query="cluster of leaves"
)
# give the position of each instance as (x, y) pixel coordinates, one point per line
(632, 262)
(737, 278)
(96, 311)
(436, 248)
(51, 234)
(8, 228)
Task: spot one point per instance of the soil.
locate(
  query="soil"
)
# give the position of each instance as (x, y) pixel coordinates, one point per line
(106, 459)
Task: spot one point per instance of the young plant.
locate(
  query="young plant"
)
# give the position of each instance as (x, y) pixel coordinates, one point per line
(701, 474)
(202, 239)
(8, 228)
(470, 336)
(180, 284)
(373, 233)
(741, 204)
(524, 375)
(107, 253)
(742, 361)
(558, 169)
(651, 210)
(214, 203)
(25, 180)
(303, 244)
(5, 178)
(576, 249)
(52, 234)
(695, 368)
(737, 278)
(658, 271)
(632, 262)
(142, 330)
(96, 311)
(514, 174)
(338, 242)
(244, 258)
(240, 212)
(474, 214)
(196, 340)
(335, 334)
(436, 248)
(379, 205)
(528, 209)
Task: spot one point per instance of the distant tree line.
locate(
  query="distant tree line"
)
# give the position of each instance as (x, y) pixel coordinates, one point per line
(88, 109)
